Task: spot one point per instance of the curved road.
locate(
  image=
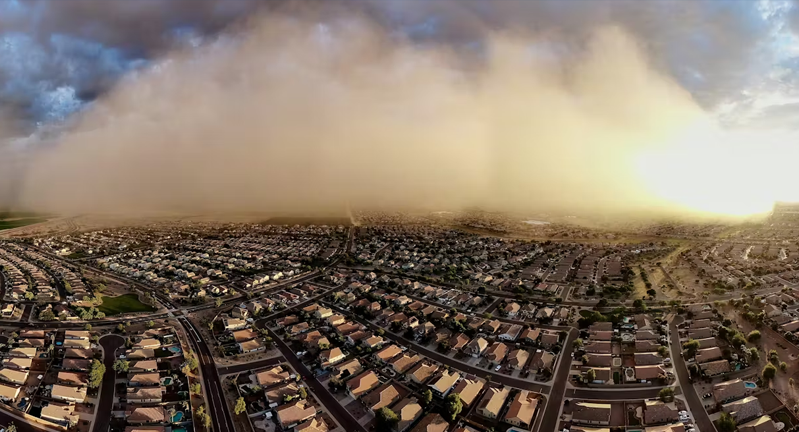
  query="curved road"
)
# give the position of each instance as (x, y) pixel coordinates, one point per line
(102, 418)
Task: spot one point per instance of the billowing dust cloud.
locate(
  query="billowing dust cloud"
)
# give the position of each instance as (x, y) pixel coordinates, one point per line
(287, 114)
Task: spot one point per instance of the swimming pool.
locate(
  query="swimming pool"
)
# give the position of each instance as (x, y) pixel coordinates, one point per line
(175, 349)
(177, 417)
(166, 381)
(750, 384)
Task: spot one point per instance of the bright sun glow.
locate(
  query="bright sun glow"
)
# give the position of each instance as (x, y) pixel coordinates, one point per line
(733, 173)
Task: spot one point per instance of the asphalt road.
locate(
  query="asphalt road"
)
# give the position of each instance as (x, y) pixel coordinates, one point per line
(221, 419)
(110, 343)
(343, 417)
(627, 394)
(480, 372)
(550, 419)
(250, 366)
(701, 419)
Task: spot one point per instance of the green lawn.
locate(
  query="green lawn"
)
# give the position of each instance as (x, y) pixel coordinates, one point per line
(123, 304)
(9, 224)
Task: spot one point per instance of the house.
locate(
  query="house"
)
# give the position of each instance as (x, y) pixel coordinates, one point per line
(142, 366)
(646, 346)
(708, 354)
(443, 383)
(714, 368)
(277, 393)
(648, 358)
(511, 333)
(458, 342)
(69, 394)
(72, 364)
(13, 376)
(9, 393)
(21, 363)
(542, 360)
(517, 358)
(362, 383)
(23, 352)
(387, 353)
(323, 313)
(591, 413)
(242, 335)
(649, 373)
(512, 309)
(432, 422)
(348, 368)
(62, 414)
(549, 338)
(72, 378)
(144, 343)
(144, 379)
(468, 389)
(496, 352)
(422, 372)
(331, 357)
(603, 360)
(315, 424)
(729, 390)
(760, 424)
(601, 374)
(249, 346)
(700, 323)
(492, 402)
(146, 415)
(744, 409)
(646, 335)
(373, 342)
(234, 324)
(599, 347)
(656, 412)
(404, 362)
(476, 347)
(530, 335)
(408, 410)
(700, 333)
(601, 326)
(293, 413)
(491, 327)
(707, 342)
(602, 335)
(140, 354)
(382, 396)
(77, 334)
(522, 408)
(272, 376)
(335, 320)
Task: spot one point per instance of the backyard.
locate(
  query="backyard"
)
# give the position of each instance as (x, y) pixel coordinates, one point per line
(123, 304)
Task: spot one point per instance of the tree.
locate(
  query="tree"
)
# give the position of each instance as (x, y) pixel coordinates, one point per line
(590, 375)
(218, 302)
(302, 392)
(753, 336)
(195, 388)
(769, 372)
(427, 397)
(241, 406)
(191, 360)
(46, 315)
(773, 356)
(386, 419)
(726, 423)
(453, 405)
(150, 324)
(691, 347)
(11, 428)
(121, 327)
(577, 344)
(88, 327)
(96, 372)
(663, 351)
(666, 394)
(121, 365)
(783, 366)
(754, 353)
(29, 295)
(639, 304)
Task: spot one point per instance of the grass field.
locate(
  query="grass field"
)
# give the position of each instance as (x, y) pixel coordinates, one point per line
(16, 223)
(123, 304)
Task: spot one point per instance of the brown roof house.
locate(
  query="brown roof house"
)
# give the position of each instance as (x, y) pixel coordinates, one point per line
(657, 412)
(591, 413)
(362, 383)
(468, 389)
(522, 408)
(382, 396)
(492, 402)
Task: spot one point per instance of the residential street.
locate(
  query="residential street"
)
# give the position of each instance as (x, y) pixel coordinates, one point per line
(102, 415)
(701, 418)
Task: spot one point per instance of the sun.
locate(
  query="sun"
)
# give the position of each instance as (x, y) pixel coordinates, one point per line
(708, 170)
